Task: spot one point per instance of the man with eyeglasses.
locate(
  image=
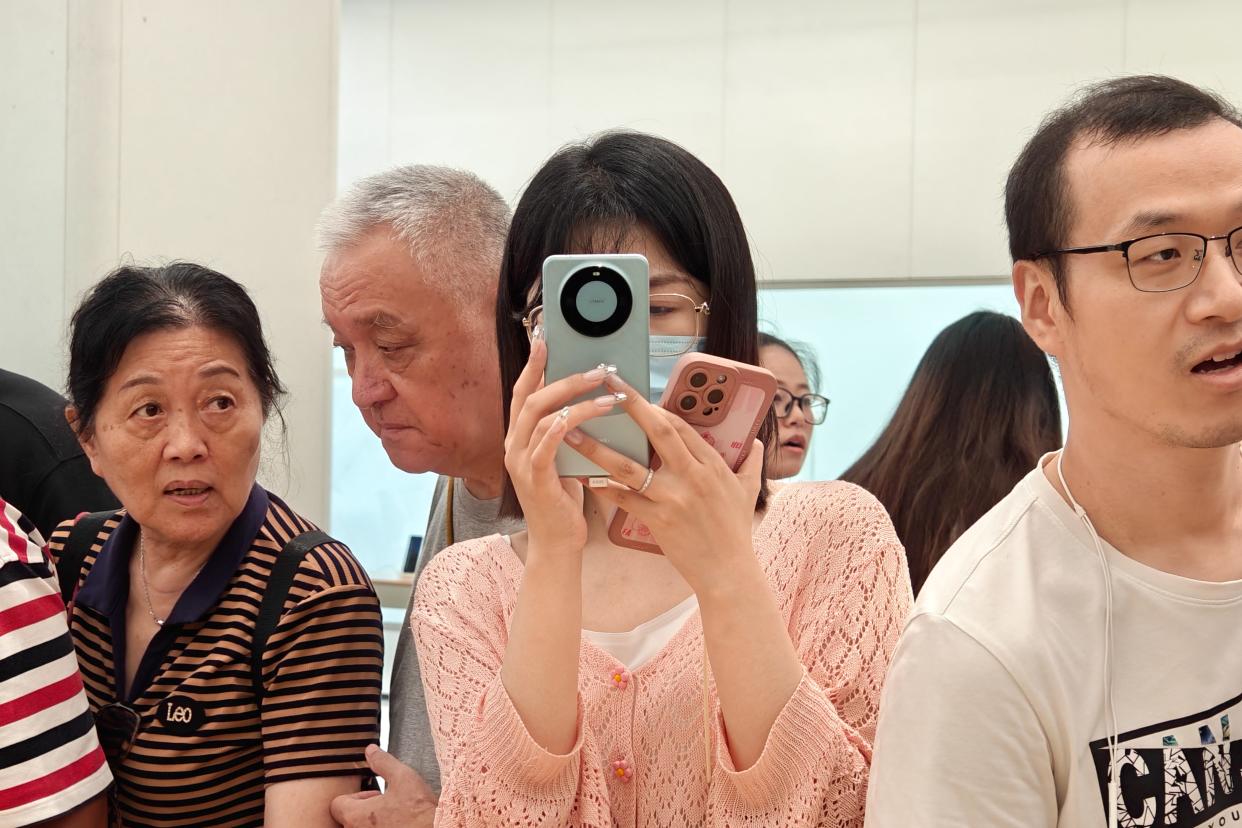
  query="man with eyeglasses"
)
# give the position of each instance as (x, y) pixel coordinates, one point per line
(1073, 660)
(408, 289)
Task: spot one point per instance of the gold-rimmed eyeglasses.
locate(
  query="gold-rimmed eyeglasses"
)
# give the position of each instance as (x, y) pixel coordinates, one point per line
(668, 314)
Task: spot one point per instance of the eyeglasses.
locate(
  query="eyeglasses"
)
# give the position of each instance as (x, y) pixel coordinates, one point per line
(669, 314)
(117, 726)
(1165, 261)
(814, 407)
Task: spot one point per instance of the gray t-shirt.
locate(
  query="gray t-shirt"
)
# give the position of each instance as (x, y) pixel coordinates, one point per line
(411, 740)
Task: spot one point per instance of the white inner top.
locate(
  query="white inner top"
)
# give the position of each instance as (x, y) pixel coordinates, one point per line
(636, 647)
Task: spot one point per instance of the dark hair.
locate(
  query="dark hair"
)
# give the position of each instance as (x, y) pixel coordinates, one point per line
(1038, 205)
(981, 409)
(132, 301)
(801, 352)
(590, 196)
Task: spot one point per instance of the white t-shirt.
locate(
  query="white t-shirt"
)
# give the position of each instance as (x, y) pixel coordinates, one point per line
(993, 709)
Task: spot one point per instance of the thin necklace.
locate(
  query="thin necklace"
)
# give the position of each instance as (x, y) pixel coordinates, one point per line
(146, 587)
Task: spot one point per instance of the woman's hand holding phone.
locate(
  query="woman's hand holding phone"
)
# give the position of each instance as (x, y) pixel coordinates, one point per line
(538, 423)
(700, 511)
(540, 667)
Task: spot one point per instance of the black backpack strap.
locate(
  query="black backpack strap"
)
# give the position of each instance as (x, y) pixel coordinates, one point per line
(286, 566)
(77, 547)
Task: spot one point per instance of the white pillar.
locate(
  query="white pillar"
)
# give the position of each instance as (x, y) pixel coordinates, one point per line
(162, 129)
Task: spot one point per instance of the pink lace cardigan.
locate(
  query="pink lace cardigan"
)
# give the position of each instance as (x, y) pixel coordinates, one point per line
(840, 578)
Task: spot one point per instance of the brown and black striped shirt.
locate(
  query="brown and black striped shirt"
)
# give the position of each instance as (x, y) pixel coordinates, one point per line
(207, 748)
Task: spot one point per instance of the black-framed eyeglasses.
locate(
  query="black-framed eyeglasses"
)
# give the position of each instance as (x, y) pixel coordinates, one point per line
(813, 406)
(1164, 262)
(117, 726)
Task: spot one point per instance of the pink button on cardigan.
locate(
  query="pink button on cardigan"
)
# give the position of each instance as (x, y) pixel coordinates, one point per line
(840, 579)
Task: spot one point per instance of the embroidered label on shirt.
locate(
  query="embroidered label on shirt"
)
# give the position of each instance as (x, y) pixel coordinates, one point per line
(182, 715)
(1183, 773)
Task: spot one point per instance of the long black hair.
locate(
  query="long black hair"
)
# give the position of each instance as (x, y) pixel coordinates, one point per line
(981, 409)
(587, 198)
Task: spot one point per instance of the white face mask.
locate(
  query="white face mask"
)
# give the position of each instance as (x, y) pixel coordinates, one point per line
(672, 348)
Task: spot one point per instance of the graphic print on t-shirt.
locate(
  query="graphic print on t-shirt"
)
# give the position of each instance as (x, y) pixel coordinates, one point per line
(1183, 773)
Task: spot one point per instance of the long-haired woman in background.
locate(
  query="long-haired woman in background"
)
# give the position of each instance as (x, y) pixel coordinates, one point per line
(981, 409)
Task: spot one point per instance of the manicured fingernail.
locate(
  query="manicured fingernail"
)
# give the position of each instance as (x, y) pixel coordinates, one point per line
(597, 482)
(609, 400)
(536, 333)
(573, 436)
(613, 380)
(599, 372)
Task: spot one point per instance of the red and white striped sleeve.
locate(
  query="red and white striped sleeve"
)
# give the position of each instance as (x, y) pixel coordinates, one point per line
(50, 760)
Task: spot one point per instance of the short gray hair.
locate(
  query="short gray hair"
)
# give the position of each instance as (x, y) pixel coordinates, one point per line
(447, 217)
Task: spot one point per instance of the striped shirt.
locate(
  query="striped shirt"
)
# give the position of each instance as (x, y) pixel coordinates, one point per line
(207, 747)
(50, 761)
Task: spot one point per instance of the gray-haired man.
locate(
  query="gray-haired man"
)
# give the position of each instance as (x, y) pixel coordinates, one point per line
(409, 290)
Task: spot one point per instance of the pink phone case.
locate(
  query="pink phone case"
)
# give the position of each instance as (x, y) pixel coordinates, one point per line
(729, 425)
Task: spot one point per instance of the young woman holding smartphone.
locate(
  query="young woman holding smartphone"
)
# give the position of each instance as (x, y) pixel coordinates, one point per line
(735, 680)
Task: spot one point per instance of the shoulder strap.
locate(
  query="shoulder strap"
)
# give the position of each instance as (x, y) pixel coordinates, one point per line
(77, 547)
(286, 566)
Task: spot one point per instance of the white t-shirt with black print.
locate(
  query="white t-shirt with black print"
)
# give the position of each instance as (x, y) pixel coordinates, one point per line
(993, 711)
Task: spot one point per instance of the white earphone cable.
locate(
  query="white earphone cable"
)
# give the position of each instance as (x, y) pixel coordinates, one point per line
(1110, 707)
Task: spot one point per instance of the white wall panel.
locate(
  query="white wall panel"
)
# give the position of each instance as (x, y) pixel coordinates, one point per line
(471, 86)
(648, 65)
(92, 146)
(986, 72)
(1207, 54)
(227, 155)
(818, 121)
(32, 186)
(172, 129)
(365, 113)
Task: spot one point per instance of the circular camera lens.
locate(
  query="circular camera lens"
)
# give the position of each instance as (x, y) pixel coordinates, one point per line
(698, 379)
(596, 300)
(721, 379)
(715, 395)
(688, 402)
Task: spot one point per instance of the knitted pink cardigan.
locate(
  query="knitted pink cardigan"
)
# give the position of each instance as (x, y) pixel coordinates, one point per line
(839, 576)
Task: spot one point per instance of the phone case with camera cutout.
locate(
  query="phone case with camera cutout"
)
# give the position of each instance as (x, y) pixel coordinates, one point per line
(728, 424)
(595, 310)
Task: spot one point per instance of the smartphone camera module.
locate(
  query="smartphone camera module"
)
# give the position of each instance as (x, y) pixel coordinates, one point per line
(698, 379)
(596, 300)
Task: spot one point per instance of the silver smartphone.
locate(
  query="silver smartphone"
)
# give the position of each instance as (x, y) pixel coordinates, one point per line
(595, 311)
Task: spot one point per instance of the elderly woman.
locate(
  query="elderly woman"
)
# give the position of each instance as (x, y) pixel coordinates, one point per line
(231, 652)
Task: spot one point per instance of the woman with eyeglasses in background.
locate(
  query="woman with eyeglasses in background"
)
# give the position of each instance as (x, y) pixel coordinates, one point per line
(980, 410)
(797, 407)
(231, 652)
(733, 680)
